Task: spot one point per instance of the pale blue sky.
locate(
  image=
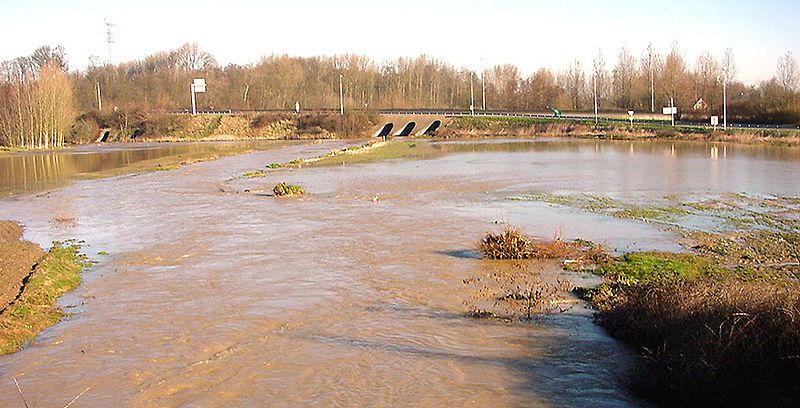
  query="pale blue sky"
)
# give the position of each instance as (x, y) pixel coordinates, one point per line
(530, 34)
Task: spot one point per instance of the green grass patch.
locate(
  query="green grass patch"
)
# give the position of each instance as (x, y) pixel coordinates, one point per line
(377, 152)
(649, 266)
(35, 310)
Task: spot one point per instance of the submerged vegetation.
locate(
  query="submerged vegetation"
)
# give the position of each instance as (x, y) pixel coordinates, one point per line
(283, 189)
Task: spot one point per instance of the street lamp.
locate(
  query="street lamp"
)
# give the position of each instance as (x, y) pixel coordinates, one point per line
(341, 95)
(594, 77)
(471, 94)
(725, 99)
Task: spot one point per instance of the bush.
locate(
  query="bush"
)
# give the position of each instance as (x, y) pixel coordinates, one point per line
(510, 244)
(283, 189)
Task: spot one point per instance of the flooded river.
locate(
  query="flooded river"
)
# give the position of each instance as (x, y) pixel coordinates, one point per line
(214, 293)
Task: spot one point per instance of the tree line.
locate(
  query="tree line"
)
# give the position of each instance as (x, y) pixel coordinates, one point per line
(38, 95)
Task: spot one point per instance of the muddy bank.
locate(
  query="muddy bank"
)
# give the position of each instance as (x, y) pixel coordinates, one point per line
(17, 259)
(30, 283)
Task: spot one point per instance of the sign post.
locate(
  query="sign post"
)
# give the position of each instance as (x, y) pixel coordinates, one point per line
(198, 86)
(715, 121)
(630, 114)
(670, 110)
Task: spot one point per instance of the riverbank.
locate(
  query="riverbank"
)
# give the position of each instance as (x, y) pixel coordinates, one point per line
(489, 127)
(30, 283)
(715, 325)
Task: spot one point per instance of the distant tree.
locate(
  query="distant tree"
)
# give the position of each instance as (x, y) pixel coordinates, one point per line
(787, 72)
(540, 90)
(623, 79)
(675, 81)
(600, 74)
(707, 77)
(573, 80)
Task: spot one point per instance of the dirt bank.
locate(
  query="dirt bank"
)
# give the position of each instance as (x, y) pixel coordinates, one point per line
(17, 259)
(30, 283)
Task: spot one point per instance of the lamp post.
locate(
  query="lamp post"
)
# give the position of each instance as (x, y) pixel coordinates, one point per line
(471, 94)
(724, 99)
(341, 95)
(594, 77)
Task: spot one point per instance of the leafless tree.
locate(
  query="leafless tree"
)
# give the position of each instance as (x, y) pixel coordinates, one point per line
(787, 72)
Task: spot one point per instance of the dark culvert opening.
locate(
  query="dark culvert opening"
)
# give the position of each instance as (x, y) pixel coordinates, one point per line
(407, 129)
(433, 127)
(387, 128)
(105, 135)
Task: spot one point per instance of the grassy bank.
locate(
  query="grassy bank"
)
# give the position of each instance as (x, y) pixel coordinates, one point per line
(519, 127)
(717, 325)
(34, 310)
(127, 126)
(709, 335)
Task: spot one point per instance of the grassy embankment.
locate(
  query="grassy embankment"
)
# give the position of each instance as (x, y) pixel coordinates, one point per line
(718, 325)
(37, 283)
(127, 126)
(518, 127)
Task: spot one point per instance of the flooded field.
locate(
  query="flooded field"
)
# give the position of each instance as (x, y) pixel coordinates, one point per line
(208, 291)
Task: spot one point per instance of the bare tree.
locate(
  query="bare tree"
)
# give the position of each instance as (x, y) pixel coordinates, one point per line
(573, 81)
(623, 78)
(600, 75)
(707, 76)
(787, 72)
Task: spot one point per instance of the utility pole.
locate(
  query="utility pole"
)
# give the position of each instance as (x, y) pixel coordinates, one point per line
(471, 94)
(672, 110)
(341, 95)
(724, 99)
(483, 84)
(594, 77)
(652, 81)
(99, 97)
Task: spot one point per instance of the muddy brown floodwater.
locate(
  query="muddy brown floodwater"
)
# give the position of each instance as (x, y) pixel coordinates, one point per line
(215, 294)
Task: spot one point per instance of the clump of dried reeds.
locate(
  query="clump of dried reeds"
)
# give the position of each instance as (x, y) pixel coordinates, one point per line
(709, 340)
(509, 244)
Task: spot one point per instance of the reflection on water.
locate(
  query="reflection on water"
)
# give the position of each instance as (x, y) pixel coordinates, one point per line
(37, 171)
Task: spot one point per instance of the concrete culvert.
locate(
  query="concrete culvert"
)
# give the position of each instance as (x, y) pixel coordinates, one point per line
(385, 130)
(407, 129)
(104, 134)
(432, 127)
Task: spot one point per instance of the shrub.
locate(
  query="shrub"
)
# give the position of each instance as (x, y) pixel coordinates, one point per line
(283, 189)
(509, 244)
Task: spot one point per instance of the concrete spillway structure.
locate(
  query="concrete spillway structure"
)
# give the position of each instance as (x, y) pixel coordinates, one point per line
(396, 125)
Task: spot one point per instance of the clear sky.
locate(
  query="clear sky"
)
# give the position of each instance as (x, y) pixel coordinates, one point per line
(529, 34)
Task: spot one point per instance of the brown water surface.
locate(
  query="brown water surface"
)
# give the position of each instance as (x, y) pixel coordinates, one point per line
(214, 293)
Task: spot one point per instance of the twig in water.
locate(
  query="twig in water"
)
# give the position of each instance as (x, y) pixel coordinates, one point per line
(19, 390)
(76, 397)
